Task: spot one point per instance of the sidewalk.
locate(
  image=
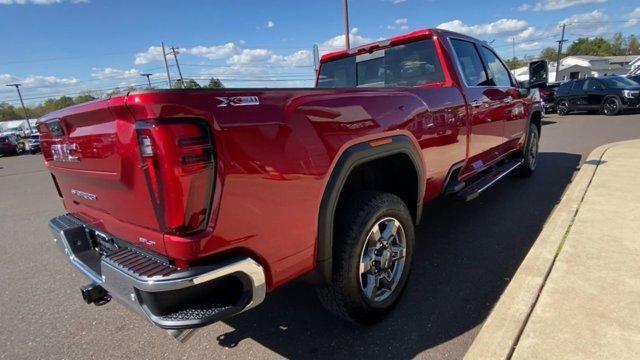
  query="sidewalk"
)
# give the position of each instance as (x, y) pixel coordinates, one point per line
(577, 293)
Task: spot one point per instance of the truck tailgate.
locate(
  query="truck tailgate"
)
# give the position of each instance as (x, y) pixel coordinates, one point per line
(92, 152)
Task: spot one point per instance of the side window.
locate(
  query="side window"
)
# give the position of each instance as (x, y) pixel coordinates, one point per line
(592, 84)
(470, 63)
(577, 85)
(499, 72)
(412, 64)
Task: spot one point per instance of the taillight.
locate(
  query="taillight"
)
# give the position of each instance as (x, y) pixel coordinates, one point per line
(178, 158)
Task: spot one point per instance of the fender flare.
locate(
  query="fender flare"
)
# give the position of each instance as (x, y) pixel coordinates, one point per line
(352, 157)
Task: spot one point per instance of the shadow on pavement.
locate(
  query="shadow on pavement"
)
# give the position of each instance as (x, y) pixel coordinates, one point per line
(465, 256)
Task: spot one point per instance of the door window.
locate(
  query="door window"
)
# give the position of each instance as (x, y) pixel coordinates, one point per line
(592, 84)
(577, 85)
(470, 63)
(499, 73)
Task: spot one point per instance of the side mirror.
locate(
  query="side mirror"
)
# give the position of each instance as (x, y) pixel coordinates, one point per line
(538, 73)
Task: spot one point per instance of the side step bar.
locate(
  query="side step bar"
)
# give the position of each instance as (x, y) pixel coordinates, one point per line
(474, 189)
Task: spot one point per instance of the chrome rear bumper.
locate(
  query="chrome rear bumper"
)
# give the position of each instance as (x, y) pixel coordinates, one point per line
(173, 299)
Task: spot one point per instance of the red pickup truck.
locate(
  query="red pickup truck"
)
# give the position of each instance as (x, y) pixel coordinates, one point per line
(190, 205)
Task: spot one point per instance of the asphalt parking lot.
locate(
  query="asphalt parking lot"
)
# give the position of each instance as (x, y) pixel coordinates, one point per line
(466, 254)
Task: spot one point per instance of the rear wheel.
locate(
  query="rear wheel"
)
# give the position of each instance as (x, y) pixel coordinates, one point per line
(530, 153)
(373, 247)
(563, 108)
(611, 106)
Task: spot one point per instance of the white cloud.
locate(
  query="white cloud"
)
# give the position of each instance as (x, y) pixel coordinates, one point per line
(153, 54)
(47, 81)
(402, 24)
(297, 59)
(593, 22)
(270, 24)
(111, 73)
(502, 26)
(550, 5)
(215, 52)
(633, 18)
(40, 2)
(337, 42)
(524, 7)
(396, 1)
(530, 46)
(251, 56)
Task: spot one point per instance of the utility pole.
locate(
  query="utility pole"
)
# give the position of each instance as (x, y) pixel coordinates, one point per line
(147, 75)
(560, 42)
(175, 53)
(513, 43)
(24, 108)
(346, 25)
(166, 65)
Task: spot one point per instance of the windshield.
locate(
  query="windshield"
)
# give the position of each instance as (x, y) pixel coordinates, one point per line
(618, 82)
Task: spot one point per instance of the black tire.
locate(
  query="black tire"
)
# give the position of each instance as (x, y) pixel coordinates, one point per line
(530, 153)
(562, 108)
(345, 296)
(611, 106)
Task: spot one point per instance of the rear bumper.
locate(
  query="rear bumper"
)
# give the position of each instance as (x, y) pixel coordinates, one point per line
(168, 297)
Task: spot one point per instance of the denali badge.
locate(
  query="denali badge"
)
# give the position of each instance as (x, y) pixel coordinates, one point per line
(84, 195)
(65, 152)
(238, 101)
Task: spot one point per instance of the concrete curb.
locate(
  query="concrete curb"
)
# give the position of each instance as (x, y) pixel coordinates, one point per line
(499, 335)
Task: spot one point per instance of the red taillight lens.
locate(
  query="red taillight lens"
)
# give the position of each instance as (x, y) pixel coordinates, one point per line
(179, 162)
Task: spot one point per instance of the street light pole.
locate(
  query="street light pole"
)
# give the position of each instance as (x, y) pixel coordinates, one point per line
(346, 25)
(24, 108)
(147, 75)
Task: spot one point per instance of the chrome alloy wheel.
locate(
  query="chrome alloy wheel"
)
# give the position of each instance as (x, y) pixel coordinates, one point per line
(382, 259)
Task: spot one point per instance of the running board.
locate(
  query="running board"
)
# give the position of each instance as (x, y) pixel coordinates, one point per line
(474, 189)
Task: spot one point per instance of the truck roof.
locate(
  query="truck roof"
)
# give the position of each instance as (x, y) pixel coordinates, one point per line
(400, 39)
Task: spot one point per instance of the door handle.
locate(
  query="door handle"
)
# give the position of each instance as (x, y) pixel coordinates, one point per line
(508, 100)
(476, 103)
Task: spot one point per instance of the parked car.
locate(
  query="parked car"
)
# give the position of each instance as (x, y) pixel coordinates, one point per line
(609, 95)
(190, 205)
(548, 98)
(32, 143)
(9, 145)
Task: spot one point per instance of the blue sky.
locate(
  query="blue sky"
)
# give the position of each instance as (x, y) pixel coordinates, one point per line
(57, 47)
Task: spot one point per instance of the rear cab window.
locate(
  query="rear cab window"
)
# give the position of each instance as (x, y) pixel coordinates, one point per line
(405, 65)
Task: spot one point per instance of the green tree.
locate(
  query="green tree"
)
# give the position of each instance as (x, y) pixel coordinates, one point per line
(633, 45)
(618, 46)
(549, 54)
(9, 112)
(191, 84)
(515, 63)
(595, 47)
(83, 97)
(214, 83)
